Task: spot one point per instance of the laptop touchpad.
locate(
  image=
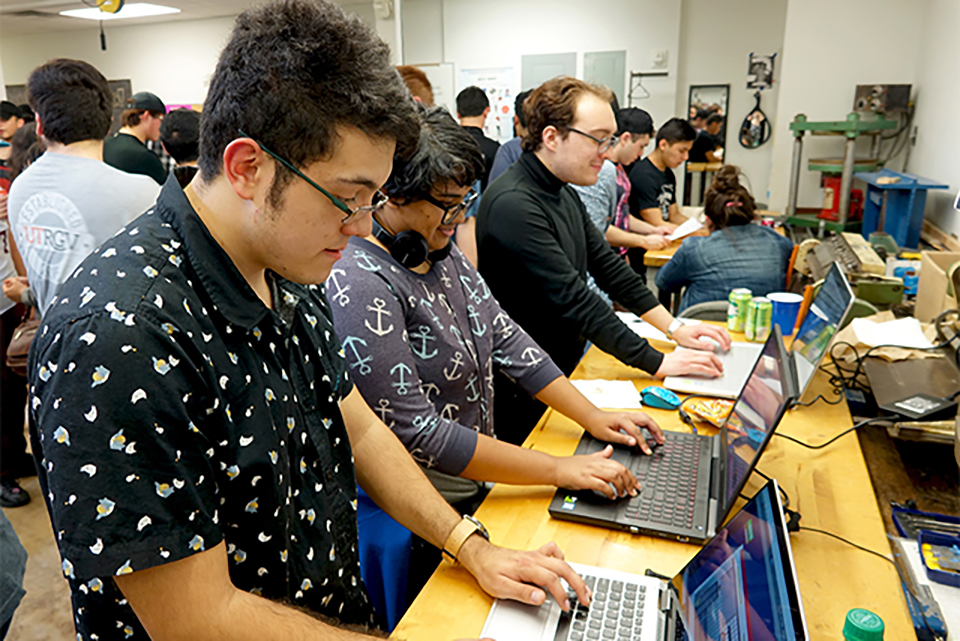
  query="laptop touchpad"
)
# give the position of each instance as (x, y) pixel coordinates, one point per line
(512, 620)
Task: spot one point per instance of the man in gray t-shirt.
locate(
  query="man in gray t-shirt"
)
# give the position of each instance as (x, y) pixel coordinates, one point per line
(69, 201)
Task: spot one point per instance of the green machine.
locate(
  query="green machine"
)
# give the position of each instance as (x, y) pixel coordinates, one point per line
(853, 127)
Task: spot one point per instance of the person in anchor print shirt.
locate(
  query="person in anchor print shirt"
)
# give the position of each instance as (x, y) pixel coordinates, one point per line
(197, 433)
(422, 338)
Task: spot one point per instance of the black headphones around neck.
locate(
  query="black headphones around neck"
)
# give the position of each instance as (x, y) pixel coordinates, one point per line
(409, 248)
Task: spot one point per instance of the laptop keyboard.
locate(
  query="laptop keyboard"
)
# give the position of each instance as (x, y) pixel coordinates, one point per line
(668, 478)
(616, 611)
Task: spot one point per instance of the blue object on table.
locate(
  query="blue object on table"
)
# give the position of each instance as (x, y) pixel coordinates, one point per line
(384, 560)
(660, 398)
(906, 201)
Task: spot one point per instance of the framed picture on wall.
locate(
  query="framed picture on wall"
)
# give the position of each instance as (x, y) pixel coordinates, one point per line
(760, 72)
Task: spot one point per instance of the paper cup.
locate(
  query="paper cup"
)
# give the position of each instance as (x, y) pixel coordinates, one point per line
(786, 306)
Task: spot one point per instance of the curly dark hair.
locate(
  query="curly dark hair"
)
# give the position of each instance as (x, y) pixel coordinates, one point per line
(72, 99)
(294, 73)
(554, 103)
(727, 203)
(446, 152)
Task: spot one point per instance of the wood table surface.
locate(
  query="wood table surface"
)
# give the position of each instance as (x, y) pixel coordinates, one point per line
(660, 257)
(831, 488)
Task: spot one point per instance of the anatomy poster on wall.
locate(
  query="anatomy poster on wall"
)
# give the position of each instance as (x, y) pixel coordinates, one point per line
(497, 83)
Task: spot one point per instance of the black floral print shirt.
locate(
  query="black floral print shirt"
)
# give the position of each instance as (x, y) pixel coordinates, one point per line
(170, 410)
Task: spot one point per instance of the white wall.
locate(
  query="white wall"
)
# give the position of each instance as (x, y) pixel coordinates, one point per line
(171, 59)
(496, 33)
(830, 47)
(937, 90)
(709, 55)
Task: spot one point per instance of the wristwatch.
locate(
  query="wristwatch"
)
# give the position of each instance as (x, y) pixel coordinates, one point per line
(674, 326)
(467, 526)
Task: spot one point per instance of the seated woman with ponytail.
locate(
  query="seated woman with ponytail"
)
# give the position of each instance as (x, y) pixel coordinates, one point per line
(736, 253)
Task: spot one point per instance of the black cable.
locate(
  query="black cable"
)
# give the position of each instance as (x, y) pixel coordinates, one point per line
(848, 542)
(684, 415)
(860, 358)
(903, 580)
(843, 433)
(821, 397)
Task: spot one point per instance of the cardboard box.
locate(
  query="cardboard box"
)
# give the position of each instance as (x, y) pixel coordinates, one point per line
(932, 297)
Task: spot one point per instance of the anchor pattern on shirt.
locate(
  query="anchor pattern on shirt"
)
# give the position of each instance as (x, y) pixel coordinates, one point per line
(422, 348)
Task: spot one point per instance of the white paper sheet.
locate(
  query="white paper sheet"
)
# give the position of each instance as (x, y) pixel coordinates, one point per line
(685, 229)
(617, 395)
(903, 332)
(646, 330)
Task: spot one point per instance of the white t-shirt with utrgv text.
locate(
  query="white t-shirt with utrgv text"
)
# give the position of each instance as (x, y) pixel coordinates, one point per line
(63, 207)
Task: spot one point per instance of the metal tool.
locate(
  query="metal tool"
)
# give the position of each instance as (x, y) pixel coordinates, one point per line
(924, 610)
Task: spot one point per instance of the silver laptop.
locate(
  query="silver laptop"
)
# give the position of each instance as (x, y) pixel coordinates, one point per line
(826, 316)
(742, 585)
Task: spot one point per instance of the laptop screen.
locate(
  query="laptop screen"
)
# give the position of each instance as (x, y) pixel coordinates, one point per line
(742, 585)
(755, 414)
(827, 312)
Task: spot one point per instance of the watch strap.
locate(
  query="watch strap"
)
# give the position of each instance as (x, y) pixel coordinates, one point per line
(464, 529)
(674, 326)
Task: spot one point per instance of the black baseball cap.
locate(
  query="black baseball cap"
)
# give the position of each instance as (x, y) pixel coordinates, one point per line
(146, 100)
(9, 110)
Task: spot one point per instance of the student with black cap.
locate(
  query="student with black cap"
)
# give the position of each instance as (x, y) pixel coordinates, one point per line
(126, 150)
(11, 119)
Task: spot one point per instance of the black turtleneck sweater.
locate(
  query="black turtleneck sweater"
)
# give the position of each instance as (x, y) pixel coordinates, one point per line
(536, 245)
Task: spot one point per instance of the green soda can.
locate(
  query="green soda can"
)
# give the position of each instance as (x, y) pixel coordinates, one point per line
(759, 319)
(739, 300)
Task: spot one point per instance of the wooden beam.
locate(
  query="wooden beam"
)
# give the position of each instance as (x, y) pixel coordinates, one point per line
(939, 238)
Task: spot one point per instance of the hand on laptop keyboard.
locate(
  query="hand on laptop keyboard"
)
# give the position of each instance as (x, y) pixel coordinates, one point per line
(513, 574)
(632, 429)
(598, 473)
(683, 362)
(692, 336)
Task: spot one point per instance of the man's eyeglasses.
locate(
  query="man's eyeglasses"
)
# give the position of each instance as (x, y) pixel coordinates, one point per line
(450, 212)
(603, 144)
(379, 198)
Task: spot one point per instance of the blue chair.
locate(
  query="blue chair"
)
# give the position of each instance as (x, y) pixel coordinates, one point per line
(384, 560)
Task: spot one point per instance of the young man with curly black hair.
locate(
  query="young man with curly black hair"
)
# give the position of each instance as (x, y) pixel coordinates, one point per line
(199, 435)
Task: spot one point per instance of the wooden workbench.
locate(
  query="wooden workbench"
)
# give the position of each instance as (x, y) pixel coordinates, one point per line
(660, 257)
(831, 489)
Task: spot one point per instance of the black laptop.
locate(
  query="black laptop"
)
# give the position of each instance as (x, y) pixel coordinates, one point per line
(690, 483)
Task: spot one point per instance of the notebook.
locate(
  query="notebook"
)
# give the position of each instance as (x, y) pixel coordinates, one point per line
(741, 585)
(828, 311)
(691, 481)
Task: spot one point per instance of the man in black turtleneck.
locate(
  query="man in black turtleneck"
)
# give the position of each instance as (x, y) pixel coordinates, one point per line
(536, 245)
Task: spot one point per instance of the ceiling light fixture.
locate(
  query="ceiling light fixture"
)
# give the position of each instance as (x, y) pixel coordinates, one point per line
(137, 10)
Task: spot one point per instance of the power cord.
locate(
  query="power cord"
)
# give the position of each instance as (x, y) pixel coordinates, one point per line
(903, 580)
(685, 415)
(849, 378)
(821, 397)
(877, 419)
